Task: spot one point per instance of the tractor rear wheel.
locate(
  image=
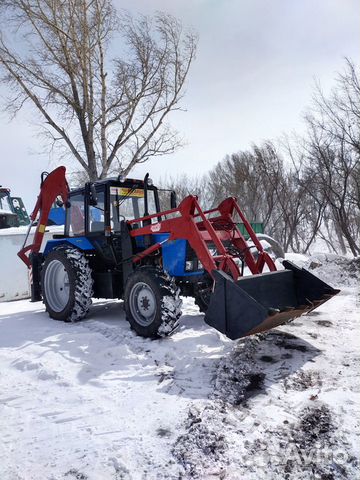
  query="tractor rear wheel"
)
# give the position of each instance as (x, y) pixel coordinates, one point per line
(67, 285)
(152, 303)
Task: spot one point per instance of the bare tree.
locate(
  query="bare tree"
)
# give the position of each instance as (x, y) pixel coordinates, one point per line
(185, 185)
(110, 114)
(268, 190)
(239, 175)
(333, 156)
(307, 189)
(259, 180)
(337, 115)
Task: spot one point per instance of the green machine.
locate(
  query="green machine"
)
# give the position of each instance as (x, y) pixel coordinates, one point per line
(12, 210)
(258, 227)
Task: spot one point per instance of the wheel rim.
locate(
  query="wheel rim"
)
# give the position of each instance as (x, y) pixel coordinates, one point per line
(142, 302)
(56, 286)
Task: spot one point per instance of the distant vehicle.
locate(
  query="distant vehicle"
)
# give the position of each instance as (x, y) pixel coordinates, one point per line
(12, 210)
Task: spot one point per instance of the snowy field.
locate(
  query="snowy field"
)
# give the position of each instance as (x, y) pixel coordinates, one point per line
(91, 401)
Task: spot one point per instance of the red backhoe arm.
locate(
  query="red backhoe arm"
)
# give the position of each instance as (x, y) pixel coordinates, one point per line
(52, 186)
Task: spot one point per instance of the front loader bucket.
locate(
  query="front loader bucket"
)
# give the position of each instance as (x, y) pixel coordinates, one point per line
(257, 303)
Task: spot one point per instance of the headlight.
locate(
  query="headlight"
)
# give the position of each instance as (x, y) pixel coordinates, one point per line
(189, 266)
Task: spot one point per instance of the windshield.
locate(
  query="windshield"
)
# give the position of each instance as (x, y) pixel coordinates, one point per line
(127, 204)
(5, 202)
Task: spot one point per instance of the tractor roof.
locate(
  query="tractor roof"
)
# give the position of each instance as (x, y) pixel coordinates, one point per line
(115, 182)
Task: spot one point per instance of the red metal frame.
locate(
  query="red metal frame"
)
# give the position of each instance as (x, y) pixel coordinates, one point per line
(199, 228)
(53, 186)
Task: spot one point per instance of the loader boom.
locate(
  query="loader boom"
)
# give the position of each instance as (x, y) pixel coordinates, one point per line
(239, 305)
(214, 229)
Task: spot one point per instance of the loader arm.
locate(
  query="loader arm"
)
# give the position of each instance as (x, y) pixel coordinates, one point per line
(52, 186)
(239, 305)
(207, 231)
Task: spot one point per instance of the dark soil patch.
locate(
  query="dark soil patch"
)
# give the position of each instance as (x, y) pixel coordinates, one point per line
(256, 382)
(324, 323)
(280, 336)
(74, 473)
(291, 346)
(313, 335)
(268, 359)
(314, 265)
(239, 375)
(163, 432)
(286, 340)
(303, 380)
(202, 444)
(316, 423)
(303, 449)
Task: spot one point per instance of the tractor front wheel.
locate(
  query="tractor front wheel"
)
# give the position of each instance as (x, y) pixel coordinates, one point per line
(66, 284)
(152, 303)
(202, 293)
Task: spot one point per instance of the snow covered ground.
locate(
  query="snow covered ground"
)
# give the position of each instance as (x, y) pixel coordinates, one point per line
(91, 401)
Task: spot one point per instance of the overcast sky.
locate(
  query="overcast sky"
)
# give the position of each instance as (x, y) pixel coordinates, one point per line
(252, 79)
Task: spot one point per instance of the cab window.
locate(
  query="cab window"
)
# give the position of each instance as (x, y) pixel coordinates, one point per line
(5, 202)
(96, 214)
(127, 204)
(75, 215)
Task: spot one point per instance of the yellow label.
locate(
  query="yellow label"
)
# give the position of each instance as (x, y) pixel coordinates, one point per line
(125, 192)
(42, 228)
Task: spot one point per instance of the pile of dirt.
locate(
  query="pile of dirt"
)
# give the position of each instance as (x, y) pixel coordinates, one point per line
(334, 269)
(238, 375)
(303, 380)
(202, 448)
(308, 448)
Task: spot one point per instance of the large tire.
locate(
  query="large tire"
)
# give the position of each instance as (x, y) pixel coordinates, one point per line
(67, 285)
(152, 303)
(202, 294)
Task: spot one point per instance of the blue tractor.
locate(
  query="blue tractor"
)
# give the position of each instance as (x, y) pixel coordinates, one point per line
(119, 244)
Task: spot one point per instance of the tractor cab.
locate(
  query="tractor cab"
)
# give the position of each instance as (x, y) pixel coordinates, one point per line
(99, 208)
(7, 216)
(96, 222)
(12, 210)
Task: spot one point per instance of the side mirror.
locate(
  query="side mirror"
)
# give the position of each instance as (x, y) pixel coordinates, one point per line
(173, 202)
(93, 196)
